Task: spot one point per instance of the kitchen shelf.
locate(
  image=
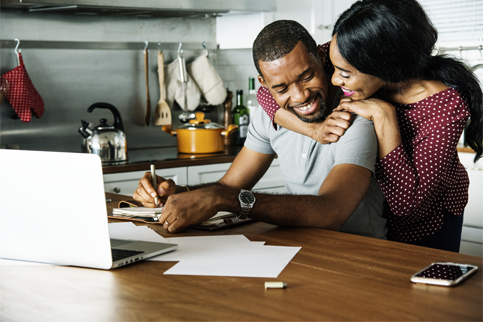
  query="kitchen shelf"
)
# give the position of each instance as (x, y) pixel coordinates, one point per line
(101, 45)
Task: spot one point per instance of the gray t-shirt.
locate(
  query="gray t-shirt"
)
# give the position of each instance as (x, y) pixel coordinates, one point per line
(305, 164)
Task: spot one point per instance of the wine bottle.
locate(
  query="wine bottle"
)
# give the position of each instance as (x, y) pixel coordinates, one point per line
(240, 118)
(251, 100)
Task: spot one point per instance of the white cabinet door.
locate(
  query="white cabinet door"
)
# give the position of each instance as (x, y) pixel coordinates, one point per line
(206, 173)
(472, 234)
(272, 181)
(127, 182)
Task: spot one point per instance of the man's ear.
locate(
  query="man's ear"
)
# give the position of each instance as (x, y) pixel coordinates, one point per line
(322, 54)
(262, 81)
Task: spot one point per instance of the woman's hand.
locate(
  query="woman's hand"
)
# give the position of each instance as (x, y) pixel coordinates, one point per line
(383, 114)
(332, 128)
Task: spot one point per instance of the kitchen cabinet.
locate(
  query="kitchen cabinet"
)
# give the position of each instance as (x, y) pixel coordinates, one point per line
(127, 182)
(272, 180)
(472, 234)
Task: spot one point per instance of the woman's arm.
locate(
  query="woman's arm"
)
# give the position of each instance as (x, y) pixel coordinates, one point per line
(383, 115)
(326, 132)
(414, 175)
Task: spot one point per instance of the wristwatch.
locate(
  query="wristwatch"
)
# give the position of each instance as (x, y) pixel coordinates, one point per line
(247, 200)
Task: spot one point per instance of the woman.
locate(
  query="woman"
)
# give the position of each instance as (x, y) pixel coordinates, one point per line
(382, 48)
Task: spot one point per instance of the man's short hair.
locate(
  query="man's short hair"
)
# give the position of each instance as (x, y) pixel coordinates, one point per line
(278, 39)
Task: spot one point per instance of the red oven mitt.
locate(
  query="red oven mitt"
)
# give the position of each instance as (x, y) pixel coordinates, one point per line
(22, 94)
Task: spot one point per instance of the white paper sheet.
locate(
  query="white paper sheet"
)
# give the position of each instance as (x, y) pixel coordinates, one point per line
(11, 262)
(127, 230)
(231, 255)
(241, 261)
(190, 247)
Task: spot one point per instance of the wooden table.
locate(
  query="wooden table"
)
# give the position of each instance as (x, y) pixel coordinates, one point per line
(335, 276)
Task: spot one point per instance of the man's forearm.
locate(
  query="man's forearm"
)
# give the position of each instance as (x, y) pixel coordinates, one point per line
(284, 210)
(186, 188)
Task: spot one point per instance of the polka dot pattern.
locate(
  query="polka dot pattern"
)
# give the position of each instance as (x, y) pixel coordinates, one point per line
(268, 103)
(22, 94)
(423, 176)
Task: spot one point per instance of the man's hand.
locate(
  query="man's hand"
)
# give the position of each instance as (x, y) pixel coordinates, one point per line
(194, 207)
(145, 193)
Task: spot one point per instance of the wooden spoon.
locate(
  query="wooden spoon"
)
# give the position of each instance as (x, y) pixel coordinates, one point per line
(148, 101)
(162, 112)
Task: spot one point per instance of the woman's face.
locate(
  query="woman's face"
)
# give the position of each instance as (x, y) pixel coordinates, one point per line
(355, 84)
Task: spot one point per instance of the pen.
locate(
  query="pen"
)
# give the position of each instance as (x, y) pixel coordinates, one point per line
(153, 176)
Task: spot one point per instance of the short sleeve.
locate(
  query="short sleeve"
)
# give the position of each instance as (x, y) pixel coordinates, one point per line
(258, 137)
(358, 145)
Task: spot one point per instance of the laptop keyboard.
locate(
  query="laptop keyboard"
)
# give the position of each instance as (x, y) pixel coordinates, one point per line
(118, 254)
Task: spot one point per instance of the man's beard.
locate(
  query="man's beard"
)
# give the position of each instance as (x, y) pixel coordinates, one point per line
(318, 117)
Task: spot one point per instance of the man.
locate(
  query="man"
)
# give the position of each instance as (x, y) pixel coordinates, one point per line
(329, 185)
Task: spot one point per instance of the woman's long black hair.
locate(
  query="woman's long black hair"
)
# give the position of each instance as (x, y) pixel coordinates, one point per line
(394, 40)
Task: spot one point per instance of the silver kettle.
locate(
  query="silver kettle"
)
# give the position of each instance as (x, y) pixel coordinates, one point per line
(107, 141)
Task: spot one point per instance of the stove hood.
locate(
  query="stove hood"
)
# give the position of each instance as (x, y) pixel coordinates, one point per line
(143, 8)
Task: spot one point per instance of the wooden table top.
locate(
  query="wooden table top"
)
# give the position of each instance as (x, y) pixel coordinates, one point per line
(335, 276)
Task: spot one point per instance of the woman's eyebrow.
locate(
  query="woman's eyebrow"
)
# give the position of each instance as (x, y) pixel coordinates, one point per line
(342, 69)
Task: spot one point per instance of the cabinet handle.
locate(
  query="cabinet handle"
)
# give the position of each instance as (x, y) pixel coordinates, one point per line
(116, 189)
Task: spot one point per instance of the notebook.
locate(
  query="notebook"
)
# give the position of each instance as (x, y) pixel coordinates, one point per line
(53, 210)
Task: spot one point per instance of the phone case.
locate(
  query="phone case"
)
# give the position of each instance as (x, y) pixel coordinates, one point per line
(445, 274)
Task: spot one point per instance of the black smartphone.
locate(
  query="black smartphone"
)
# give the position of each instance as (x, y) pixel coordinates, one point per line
(446, 274)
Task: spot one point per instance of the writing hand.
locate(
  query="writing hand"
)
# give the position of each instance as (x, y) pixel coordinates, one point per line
(145, 192)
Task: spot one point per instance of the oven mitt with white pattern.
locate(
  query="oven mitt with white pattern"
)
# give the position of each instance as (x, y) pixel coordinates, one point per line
(174, 88)
(208, 80)
(22, 94)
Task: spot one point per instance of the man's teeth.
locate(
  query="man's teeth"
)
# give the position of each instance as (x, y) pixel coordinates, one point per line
(306, 106)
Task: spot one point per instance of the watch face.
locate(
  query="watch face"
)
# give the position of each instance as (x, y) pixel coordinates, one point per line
(247, 198)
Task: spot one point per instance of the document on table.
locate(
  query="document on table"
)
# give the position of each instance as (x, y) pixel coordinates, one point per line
(233, 255)
(227, 255)
(127, 230)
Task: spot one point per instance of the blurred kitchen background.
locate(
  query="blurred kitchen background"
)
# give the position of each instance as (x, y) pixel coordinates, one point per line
(79, 52)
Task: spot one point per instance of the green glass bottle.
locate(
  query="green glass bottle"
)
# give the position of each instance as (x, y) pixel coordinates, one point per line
(251, 98)
(240, 118)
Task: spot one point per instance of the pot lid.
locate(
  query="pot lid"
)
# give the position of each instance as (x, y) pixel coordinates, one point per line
(200, 123)
(103, 125)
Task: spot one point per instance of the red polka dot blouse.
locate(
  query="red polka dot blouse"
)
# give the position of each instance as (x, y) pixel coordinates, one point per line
(423, 176)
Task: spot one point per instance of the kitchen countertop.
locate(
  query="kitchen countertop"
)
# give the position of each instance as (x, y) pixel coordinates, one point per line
(168, 157)
(335, 276)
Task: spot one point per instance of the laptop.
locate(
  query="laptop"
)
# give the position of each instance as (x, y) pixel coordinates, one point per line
(53, 210)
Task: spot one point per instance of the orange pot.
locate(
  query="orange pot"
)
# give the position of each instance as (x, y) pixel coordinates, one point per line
(200, 135)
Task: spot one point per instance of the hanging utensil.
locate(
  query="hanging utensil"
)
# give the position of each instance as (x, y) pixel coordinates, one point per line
(162, 112)
(184, 117)
(148, 102)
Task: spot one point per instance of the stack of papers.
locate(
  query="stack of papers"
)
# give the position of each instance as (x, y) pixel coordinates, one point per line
(138, 212)
(231, 255)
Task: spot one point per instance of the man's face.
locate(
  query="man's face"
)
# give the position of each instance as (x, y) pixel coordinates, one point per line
(298, 84)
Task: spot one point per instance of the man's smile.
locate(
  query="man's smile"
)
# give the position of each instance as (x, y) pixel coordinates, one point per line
(308, 107)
